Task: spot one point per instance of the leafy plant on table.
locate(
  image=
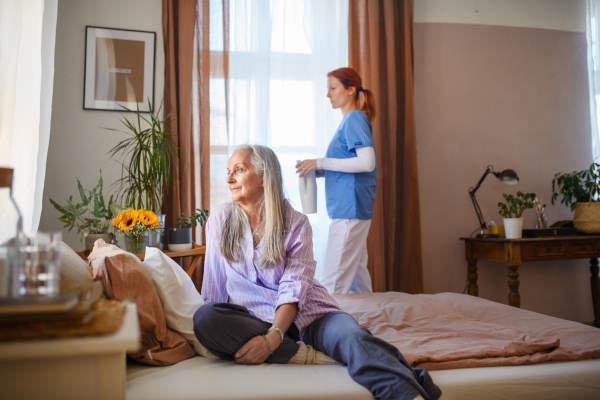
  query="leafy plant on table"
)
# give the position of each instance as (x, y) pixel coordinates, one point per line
(92, 215)
(147, 157)
(198, 217)
(577, 186)
(515, 205)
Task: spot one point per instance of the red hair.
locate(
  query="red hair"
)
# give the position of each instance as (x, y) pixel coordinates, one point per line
(350, 78)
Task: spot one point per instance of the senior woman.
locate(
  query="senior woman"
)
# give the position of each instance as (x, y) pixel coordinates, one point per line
(259, 254)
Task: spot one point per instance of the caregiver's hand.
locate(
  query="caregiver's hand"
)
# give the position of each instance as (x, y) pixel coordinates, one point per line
(305, 166)
(255, 351)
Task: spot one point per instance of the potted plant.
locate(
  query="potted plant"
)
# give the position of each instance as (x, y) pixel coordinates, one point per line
(181, 239)
(512, 211)
(91, 217)
(147, 161)
(136, 225)
(580, 190)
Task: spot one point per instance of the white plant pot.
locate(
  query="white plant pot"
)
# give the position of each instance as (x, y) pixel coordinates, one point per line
(513, 228)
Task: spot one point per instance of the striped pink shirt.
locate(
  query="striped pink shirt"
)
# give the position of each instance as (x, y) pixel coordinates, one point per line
(262, 290)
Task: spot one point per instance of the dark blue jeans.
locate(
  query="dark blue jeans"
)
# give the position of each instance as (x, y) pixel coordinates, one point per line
(373, 363)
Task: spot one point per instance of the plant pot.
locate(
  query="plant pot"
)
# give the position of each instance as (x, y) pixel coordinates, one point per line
(92, 237)
(157, 239)
(136, 245)
(513, 228)
(587, 217)
(180, 239)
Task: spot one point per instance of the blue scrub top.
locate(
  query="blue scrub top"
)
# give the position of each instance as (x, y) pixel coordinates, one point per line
(350, 195)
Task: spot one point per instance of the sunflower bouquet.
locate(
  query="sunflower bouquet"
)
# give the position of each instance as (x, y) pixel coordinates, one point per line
(135, 226)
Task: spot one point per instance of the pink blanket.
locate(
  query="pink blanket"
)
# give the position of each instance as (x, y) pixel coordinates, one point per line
(451, 330)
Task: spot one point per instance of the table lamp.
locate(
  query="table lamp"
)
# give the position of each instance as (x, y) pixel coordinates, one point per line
(508, 176)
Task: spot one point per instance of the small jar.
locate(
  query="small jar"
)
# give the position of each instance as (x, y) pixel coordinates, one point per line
(11, 226)
(541, 221)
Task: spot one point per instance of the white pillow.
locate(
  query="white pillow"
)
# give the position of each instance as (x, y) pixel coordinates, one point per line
(178, 296)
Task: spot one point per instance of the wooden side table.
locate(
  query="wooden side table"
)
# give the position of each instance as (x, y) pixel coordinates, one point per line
(196, 251)
(513, 252)
(70, 368)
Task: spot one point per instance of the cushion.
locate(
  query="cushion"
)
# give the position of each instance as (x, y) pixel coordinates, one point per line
(124, 278)
(75, 275)
(178, 296)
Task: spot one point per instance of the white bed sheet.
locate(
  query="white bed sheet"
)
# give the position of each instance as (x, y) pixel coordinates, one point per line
(202, 378)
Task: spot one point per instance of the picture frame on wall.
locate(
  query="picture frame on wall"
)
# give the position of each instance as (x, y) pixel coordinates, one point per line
(119, 69)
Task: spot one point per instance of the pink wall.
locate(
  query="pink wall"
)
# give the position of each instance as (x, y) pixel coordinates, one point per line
(514, 98)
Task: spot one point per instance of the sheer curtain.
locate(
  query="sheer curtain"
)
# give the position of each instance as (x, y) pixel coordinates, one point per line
(279, 56)
(593, 44)
(27, 34)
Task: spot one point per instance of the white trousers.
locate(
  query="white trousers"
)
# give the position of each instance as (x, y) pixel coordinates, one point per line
(345, 269)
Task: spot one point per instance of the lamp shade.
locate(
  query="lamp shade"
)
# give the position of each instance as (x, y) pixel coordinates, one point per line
(509, 176)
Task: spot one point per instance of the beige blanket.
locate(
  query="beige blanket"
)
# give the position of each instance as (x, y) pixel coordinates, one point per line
(450, 330)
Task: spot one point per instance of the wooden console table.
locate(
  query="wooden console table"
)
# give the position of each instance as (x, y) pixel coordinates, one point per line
(514, 252)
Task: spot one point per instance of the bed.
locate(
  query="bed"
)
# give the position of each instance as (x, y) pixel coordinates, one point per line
(556, 359)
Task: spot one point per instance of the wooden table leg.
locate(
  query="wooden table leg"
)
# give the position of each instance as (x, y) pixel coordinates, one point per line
(514, 298)
(472, 275)
(595, 280)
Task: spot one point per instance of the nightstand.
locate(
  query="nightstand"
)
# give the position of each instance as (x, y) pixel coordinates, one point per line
(91, 367)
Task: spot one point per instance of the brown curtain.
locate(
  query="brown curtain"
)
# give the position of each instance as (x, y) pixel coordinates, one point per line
(179, 24)
(182, 20)
(380, 47)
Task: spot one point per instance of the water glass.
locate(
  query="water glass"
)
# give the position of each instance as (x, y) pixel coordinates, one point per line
(39, 265)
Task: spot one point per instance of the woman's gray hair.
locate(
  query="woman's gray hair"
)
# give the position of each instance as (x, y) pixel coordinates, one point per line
(270, 208)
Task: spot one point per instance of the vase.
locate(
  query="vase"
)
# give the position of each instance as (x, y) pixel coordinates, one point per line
(136, 245)
(157, 239)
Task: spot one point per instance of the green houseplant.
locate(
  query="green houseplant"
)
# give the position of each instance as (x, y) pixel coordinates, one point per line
(181, 238)
(512, 210)
(580, 190)
(148, 158)
(91, 216)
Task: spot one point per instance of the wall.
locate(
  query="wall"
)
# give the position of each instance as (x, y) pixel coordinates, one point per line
(78, 144)
(502, 83)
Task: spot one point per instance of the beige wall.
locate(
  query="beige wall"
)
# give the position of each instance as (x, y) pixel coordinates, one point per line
(514, 97)
(78, 144)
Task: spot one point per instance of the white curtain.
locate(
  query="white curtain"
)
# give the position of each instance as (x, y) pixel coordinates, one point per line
(27, 34)
(280, 54)
(593, 45)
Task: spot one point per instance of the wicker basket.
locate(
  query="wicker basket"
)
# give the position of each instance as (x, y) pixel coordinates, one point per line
(587, 216)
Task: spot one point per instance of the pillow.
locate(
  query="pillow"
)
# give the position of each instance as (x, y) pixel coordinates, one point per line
(178, 296)
(124, 277)
(75, 275)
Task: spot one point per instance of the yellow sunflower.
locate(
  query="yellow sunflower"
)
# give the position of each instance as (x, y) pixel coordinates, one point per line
(119, 217)
(130, 218)
(149, 218)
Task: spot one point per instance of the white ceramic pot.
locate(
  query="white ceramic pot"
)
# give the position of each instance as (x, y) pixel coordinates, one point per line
(513, 228)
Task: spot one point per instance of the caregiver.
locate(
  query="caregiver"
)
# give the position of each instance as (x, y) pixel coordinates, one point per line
(350, 180)
(259, 255)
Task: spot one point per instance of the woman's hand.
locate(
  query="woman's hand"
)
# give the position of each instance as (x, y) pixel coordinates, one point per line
(255, 351)
(306, 166)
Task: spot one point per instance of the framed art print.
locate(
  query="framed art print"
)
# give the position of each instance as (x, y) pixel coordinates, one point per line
(119, 69)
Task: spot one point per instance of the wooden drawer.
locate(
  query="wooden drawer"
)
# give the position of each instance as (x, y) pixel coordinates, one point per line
(549, 250)
(590, 248)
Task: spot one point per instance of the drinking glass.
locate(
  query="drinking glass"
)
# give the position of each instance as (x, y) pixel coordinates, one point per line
(39, 265)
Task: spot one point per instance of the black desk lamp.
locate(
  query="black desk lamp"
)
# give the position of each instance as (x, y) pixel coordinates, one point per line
(508, 176)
